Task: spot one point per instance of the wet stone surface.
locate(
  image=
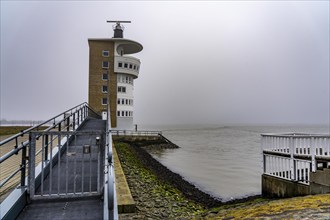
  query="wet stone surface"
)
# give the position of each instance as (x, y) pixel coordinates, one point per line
(154, 199)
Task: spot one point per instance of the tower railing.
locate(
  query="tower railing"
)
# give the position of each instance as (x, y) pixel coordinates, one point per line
(294, 156)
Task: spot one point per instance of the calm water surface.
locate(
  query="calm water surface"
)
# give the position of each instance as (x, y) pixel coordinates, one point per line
(223, 161)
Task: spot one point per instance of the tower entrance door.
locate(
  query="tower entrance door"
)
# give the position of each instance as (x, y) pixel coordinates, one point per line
(104, 115)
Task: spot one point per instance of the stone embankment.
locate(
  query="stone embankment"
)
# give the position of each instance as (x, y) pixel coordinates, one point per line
(154, 199)
(162, 194)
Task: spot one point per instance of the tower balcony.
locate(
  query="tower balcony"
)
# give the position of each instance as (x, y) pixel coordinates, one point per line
(127, 64)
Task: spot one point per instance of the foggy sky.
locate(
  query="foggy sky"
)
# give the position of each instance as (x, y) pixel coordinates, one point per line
(202, 62)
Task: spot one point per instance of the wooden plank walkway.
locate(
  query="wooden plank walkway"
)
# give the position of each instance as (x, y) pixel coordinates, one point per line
(12, 164)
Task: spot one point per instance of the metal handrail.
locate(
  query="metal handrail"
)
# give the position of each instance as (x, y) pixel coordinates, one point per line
(295, 135)
(133, 132)
(38, 125)
(81, 108)
(110, 203)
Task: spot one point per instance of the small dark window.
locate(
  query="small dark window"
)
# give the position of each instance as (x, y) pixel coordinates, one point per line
(104, 101)
(105, 53)
(118, 101)
(120, 64)
(130, 66)
(118, 113)
(105, 64)
(105, 89)
(105, 76)
(122, 113)
(125, 65)
(126, 101)
(122, 101)
(134, 67)
(122, 89)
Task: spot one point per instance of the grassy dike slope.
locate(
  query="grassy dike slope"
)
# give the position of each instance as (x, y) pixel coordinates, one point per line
(158, 200)
(306, 207)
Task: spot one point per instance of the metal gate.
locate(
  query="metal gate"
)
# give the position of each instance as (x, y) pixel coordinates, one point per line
(71, 164)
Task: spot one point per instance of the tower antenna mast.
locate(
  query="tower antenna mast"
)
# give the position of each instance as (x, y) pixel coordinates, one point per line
(118, 28)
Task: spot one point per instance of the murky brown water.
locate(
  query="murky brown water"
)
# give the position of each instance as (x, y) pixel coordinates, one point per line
(223, 161)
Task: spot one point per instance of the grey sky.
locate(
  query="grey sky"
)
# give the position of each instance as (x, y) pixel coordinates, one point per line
(203, 62)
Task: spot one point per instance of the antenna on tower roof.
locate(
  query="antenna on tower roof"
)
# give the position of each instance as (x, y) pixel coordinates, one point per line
(118, 28)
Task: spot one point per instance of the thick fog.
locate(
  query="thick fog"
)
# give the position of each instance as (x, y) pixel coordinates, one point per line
(202, 62)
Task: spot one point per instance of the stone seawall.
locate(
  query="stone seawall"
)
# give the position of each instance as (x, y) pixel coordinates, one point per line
(164, 174)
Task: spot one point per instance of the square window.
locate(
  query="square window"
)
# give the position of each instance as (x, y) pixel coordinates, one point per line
(104, 101)
(104, 89)
(105, 76)
(105, 64)
(122, 89)
(120, 64)
(125, 65)
(105, 53)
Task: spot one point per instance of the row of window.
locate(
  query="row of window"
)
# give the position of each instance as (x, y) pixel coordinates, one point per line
(124, 113)
(121, 89)
(120, 78)
(125, 101)
(128, 66)
(125, 79)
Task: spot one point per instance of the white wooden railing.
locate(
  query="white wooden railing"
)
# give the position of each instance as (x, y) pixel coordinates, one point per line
(294, 156)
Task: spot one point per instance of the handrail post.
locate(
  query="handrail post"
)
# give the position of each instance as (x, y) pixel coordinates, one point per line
(23, 166)
(292, 167)
(313, 152)
(68, 123)
(32, 153)
(46, 147)
(78, 117)
(74, 121)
